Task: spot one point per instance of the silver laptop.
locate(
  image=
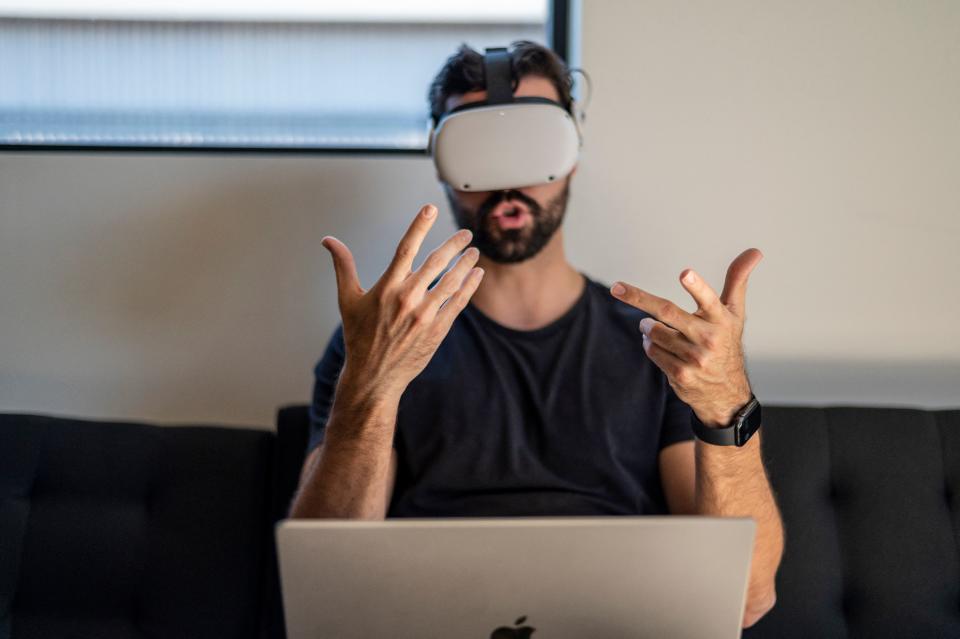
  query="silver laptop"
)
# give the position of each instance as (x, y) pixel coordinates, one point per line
(559, 578)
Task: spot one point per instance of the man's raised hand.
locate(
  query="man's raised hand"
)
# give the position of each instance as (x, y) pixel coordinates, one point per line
(701, 353)
(392, 330)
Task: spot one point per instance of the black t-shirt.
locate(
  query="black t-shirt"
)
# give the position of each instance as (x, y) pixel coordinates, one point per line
(567, 419)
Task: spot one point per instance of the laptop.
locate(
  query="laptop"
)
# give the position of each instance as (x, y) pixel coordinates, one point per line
(551, 578)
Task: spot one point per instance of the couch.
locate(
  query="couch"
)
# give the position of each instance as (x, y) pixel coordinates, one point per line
(117, 530)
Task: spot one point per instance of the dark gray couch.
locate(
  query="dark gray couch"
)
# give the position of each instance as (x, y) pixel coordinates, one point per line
(128, 530)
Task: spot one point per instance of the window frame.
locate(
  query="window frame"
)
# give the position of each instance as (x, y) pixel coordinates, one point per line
(558, 37)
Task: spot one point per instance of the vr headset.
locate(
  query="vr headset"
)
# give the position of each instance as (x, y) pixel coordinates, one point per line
(505, 142)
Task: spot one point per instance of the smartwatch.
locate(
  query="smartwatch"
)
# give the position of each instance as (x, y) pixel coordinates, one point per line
(745, 424)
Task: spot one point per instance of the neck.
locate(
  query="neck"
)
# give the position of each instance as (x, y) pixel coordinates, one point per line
(529, 294)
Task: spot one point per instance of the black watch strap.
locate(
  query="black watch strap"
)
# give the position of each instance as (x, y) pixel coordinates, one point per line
(745, 423)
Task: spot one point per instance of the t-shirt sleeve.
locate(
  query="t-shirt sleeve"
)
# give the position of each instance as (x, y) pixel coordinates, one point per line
(325, 376)
(676, 420)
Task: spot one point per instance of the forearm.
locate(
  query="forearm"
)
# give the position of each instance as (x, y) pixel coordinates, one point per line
(350, 478)
(732, 482)
(390, 333)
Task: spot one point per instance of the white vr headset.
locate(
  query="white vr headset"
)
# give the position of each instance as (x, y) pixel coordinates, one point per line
(505, 142)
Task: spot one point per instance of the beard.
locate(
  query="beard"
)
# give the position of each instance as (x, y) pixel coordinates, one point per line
(511, 245)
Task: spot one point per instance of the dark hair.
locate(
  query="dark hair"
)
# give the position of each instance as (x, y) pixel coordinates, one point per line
(463, 72)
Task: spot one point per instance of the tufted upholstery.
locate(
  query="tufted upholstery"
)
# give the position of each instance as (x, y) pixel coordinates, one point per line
(125, 530)
(869, 501)
(114, 530)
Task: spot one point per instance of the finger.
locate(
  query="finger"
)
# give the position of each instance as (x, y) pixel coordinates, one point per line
(348, 282)
(451, 280)
(410, 243)
(666, 361)
(664, 310)
(669, 339)
(458, 301)
(439, 258)
(734, 294)
(702, 293)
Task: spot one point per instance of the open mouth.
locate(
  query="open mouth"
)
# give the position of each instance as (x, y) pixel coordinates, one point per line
(511, 215)
(513, 219)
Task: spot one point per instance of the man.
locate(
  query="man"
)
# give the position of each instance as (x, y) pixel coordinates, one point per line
(516, 385)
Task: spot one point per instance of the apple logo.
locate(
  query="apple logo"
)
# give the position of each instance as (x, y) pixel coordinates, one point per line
(505, 632)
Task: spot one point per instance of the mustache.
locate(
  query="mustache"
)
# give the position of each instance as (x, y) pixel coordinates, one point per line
(508, 195)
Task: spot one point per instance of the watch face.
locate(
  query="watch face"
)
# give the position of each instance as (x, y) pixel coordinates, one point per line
(751, 405)
(748, 423)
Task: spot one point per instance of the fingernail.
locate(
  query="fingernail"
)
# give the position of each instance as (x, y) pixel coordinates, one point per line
(645, 325)
(690, 278)
(618, 289)
(429, 211)
(478, 272)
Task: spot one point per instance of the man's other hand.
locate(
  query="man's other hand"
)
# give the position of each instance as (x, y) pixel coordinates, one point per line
(392, 330)
(701, 353)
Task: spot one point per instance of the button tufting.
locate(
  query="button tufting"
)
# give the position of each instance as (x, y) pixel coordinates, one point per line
(846, 603)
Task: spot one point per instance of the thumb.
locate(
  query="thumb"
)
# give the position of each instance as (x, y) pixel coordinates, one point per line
(348, 282)
(735, 285)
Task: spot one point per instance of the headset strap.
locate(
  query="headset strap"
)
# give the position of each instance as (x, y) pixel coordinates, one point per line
(497, 72)
(466, 106)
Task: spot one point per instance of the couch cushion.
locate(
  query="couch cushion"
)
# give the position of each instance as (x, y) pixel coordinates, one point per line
(129, 530)
(869, 498)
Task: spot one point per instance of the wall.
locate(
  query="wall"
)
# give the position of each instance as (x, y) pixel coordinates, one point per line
(827, 135)
(184, 288)
(192, 288)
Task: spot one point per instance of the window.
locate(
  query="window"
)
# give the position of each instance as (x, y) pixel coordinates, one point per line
(288, 74)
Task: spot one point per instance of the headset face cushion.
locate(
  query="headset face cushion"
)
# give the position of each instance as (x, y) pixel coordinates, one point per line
(492, 147)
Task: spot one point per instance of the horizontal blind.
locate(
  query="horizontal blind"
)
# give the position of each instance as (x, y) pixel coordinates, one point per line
(227, 84)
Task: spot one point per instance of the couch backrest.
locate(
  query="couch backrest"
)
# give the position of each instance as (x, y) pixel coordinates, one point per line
(122, 530)
(869, 498)
(129, 530)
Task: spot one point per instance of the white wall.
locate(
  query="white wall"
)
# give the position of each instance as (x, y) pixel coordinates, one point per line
(828, 135)
(186, 288)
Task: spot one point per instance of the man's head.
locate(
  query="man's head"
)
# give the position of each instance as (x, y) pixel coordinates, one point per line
(508, 225)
